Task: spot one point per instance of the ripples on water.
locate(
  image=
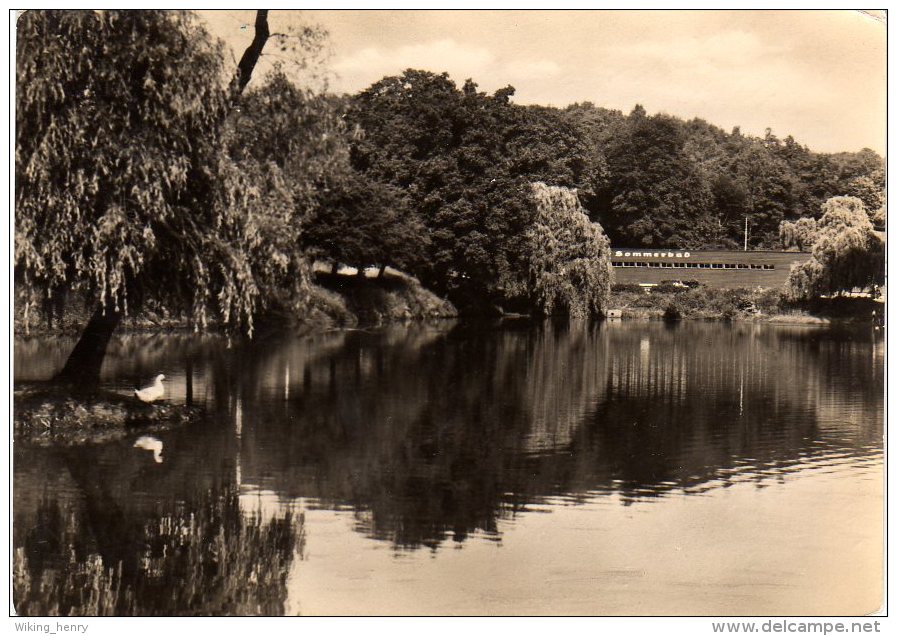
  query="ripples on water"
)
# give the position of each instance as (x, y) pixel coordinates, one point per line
(325, 454)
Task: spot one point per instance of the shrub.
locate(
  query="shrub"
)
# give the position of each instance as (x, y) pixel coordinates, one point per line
(769, 300)
(672, 313)
(626, 287)
(669, 287)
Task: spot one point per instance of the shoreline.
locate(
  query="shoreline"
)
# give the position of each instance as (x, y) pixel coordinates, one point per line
(341, 301)
(650, 310)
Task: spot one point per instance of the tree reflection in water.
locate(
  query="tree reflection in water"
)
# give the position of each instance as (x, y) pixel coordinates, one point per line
(202, 556)
(440, 440)
(430, 434)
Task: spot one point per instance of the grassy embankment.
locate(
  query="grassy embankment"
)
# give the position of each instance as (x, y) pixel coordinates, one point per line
(348, 299)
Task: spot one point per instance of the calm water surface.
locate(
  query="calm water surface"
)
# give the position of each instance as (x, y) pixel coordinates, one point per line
(553, 469)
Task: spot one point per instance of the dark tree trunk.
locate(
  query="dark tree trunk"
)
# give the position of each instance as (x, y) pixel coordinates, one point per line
(252, 54)
(334, 269)
(188, 368)
(382, 271)
(84, 363)
(49, 313)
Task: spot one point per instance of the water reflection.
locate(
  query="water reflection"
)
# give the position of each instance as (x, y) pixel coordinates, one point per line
(195, 557)
(433, 434)
(147, 442)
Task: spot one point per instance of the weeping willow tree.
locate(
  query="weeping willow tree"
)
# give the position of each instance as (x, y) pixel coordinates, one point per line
(800, 234)
(847, 253)
(123, 191)
(567, 256)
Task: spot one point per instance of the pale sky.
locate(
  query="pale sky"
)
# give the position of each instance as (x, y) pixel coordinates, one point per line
(817, 75)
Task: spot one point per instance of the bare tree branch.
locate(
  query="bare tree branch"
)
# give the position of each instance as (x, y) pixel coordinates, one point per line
(251, 54)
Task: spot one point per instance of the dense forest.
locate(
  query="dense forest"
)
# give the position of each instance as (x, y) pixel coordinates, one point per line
(648, 180)
(435, 182)
(148, 171)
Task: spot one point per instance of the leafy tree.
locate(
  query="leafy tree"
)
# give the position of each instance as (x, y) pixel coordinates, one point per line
(659, 169)
(408, 120)
(847, 253)
(868, 188)
(800, 234)
(288, 143)
(729, 205)
(768, 190)
(122, 189)
(464, 160)
(358, 221)
(544, 145)
(657, 195)
(567, 256)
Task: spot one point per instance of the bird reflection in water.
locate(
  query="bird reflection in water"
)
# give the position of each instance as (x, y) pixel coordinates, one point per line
(147, 442)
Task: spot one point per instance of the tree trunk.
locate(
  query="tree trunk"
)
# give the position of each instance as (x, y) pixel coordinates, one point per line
(382, 271)
(251, 55)
(84, 363)
(334, 269)
(188, 368)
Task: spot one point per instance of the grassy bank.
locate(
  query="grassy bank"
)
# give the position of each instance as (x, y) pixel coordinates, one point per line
(393, 297)
(674, 302)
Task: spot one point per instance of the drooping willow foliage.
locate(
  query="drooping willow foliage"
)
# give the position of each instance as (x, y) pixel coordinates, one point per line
(567, 256)
(799, 234)
(847, 253)
(124, 190)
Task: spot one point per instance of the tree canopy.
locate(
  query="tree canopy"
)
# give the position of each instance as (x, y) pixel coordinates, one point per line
(121, 189)
(567, 256)
(143, 172)
(800, 234)
(464, 160)
(691, 184)
(847, 253)
(127, 186)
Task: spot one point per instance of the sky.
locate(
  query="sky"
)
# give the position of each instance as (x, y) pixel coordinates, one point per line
(819, 76)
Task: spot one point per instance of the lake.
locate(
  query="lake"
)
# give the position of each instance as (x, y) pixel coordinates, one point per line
(610, 468)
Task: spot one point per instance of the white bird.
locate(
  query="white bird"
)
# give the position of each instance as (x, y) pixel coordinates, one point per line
(153, 392)
(150, 443)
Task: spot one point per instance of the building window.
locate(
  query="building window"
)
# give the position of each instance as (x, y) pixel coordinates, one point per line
(691, 265)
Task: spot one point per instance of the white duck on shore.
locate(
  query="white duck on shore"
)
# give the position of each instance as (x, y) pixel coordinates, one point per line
(153, 392)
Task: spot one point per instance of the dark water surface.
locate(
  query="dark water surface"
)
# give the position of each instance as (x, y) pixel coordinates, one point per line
(559, 469)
